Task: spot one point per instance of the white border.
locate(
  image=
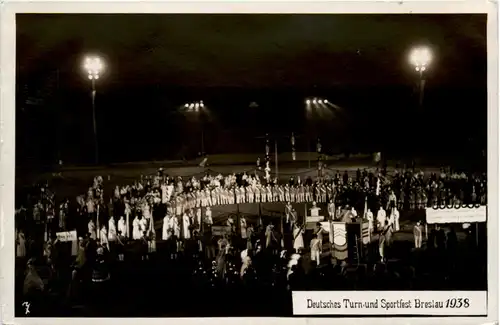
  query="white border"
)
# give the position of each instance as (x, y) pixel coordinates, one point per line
(7, 131)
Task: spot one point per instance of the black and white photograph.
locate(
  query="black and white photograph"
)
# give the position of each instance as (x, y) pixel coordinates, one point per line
(214, 165)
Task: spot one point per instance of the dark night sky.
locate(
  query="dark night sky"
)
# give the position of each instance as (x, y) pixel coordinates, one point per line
(156, 62)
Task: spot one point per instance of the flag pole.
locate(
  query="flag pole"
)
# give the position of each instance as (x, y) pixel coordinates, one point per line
(97, 222)
(366, 207)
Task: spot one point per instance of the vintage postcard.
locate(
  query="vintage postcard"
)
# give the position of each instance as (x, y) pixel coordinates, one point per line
(226, 161)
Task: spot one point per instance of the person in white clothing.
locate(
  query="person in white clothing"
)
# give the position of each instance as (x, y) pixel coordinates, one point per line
(128, 213)
(298, 239)
(112, 229)
(315, 249)
(146, 211)
(143, 225)
(390, 218)
(243, 228)
(165, 228)
(178, 206)
(136, 229)
(288, 211)
(176, 227)
(104, 238)
(369, 218)
(164, 194)
(331, 210)
(92, 230)
(268, 172)
(122, 227)
(381, 217)
(395, 218)
(354, 213)
(186, 232)
(20, 244)
(208, 217)
(417, 235)
(117, 192)
(294, 261)
(198, 218)
(230, 223)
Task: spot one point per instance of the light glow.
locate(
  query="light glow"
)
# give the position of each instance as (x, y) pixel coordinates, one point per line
(94, 66)
(420, 58)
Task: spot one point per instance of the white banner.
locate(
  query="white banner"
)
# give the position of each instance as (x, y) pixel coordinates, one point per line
(315, 219)
(66, 236)
(393, 303)
(461, 215)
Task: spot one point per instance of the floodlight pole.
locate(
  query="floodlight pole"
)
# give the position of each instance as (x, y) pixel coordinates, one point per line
(94, 121)
(421, 88)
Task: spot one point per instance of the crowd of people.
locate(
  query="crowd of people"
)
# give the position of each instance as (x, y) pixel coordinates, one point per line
(108, 221)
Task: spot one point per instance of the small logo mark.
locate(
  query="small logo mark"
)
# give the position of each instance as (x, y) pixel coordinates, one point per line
(26, 306)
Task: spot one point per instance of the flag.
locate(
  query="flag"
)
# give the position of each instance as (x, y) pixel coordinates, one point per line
(340, 240)
(366, 207)
(97, 221)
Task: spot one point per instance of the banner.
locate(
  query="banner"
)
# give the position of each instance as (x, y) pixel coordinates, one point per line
(454, 215)
(65, 236)
(339, 240)
(390, 303)
(365, 233)
(221, 230)
(315, 219)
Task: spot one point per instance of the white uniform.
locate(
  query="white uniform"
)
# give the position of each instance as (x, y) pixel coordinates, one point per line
(298, 241)
(92, 231)
(146, 211)
(331, 210)
(136, 229)
(117, 192)
(230, 223)
(112, 229)
(395, 217)
(178, 206)
(165, 228)
(185, 227)
(90, 206)
(381, 216)
(208, 217)
(170, 191)
(198, 217)
(176, 227)
(288, 212)
(122, 226)
(243, 227)
(369, 217)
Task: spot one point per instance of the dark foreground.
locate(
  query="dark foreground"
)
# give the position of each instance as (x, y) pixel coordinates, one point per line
(163, 288)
